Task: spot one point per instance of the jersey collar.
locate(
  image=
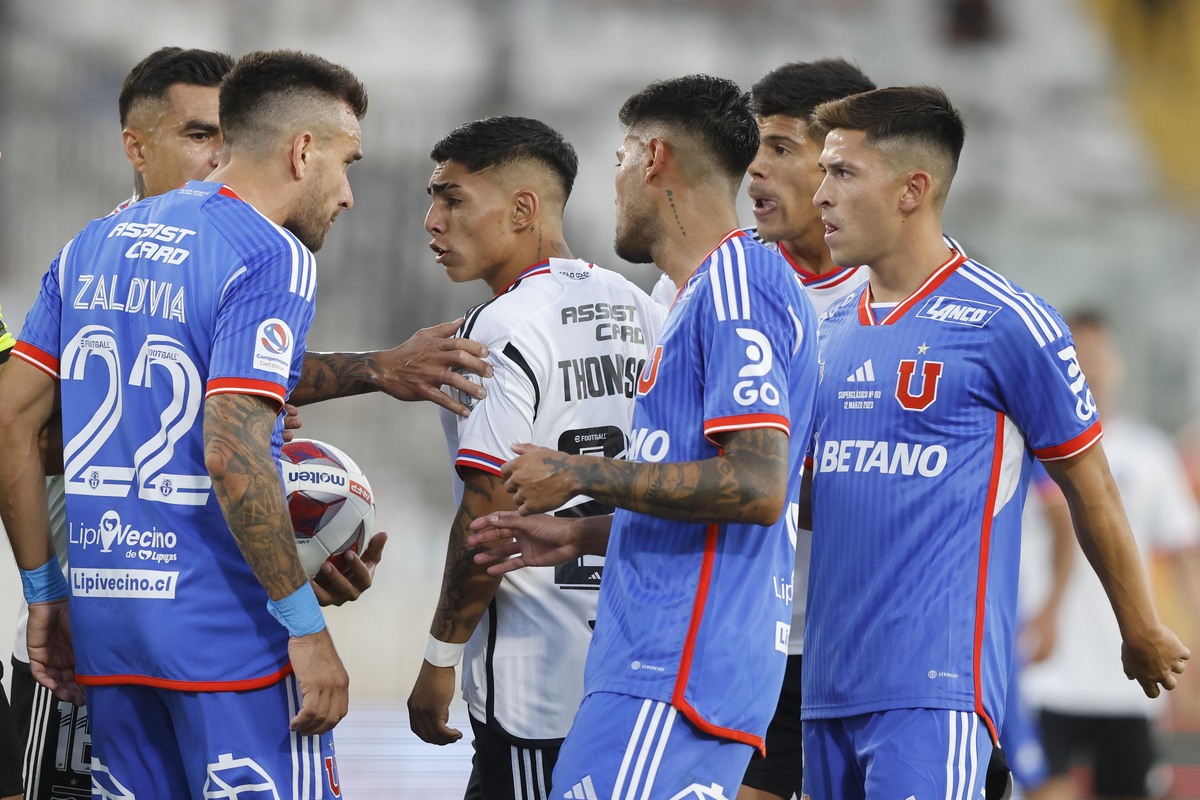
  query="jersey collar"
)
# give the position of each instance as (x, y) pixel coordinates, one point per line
(866, 315)
(540, 268)
(814, 280)
(733, 234)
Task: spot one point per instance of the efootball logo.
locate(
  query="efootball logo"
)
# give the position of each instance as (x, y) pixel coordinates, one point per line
(276, 337)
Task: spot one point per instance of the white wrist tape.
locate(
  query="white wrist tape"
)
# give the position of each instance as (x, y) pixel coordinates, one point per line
(443, 654)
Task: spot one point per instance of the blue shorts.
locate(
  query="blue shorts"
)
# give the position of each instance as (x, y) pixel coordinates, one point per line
(149, 742)
(911, 752)
(622, 746)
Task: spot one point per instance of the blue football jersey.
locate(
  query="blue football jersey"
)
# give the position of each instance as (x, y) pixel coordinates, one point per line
(694, 614)
(928, 416)
(142, 316)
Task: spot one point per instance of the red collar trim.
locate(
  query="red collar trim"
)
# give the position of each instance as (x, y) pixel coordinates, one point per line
(866, 315)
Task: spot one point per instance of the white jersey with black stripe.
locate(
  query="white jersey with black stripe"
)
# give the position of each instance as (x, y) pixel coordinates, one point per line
(567, 341)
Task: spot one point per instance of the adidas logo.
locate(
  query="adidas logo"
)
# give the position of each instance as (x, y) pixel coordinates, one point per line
(595, 576)
(582, 790)
(864, 374)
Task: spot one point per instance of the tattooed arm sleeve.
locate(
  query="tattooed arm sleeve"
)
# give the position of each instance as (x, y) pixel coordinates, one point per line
(467, 589)
(237, 453)
(747, 482)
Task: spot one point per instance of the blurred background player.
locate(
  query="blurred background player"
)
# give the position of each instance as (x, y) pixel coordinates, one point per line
(568, 340)
(691, 635)
(10, 743)
(1089, 711)
(928, 588)
(168, 108)
(228, 335)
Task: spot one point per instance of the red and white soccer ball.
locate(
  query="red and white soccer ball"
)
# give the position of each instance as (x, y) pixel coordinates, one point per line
(330, 500)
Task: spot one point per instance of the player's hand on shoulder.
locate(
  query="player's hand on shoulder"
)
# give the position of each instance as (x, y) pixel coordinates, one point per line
(539, 479)
(509, 541)
(432, 358)
(334, 588)
(1154, 659)
(429, 705)
(51, 652)
(324, 684)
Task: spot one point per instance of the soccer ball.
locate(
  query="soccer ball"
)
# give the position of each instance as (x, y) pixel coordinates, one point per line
(330, 502)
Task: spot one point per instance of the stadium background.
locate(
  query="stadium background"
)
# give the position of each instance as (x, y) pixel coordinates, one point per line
(1078, 180)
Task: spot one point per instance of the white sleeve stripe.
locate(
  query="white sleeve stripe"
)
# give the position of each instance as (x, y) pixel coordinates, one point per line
(62, 269)
(1011, 303)
(301, 263)
(745, 282)
(294, 285)
(312, 283)
(730, 284)
(731, 289)
(714, 279)
(229, 282)
(310, 273)
(1044, 320)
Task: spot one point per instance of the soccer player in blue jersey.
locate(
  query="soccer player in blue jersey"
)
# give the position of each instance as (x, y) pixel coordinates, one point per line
(205, 656)
(940, 382)
(691, 635)
(168, 110)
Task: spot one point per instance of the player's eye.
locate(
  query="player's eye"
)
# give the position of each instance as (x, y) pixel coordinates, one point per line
(200, 136)
(780, 150)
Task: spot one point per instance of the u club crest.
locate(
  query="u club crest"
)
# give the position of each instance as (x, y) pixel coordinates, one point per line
(916, 392)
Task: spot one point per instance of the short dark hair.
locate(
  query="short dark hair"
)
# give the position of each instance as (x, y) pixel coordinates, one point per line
(713, 110)
(496, 141)
(912, 114)
(795, 89)
(153, 75)
(252, 89)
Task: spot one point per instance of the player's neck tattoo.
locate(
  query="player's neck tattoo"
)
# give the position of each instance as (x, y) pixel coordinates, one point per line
(539, 249)
(675, 211)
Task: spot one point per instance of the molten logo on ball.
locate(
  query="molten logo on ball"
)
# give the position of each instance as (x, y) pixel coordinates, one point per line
(330, 502)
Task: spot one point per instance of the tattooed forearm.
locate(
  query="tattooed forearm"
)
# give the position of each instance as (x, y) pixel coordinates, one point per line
(467, 589)
(747, 483)
(327, 375)
(237, 453)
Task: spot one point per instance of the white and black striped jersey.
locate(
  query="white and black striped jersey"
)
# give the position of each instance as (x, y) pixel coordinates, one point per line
(567, 340)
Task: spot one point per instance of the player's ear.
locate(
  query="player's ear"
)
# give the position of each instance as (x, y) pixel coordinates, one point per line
(917, 190)
(300, 153)
(525, 208)
(656, 159)
(135, 144)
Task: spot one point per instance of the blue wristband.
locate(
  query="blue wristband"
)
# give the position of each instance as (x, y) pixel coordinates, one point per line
(45, 584)
(299, 612)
